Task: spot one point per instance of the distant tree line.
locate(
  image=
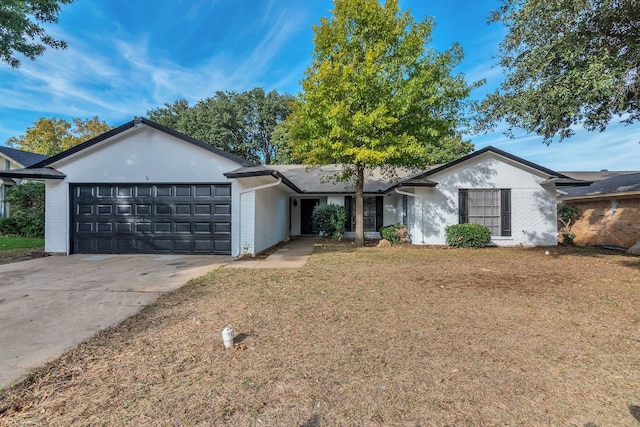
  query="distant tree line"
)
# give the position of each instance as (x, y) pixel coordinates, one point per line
(248, 124)
(50, 136)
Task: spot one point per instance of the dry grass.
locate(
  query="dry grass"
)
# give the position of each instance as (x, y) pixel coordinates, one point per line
(399, 336)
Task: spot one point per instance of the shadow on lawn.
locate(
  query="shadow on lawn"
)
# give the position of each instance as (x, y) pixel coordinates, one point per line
(635, 411)
(240, 337)
(314, 421)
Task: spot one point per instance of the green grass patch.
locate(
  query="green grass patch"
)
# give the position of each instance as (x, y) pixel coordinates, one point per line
(12, 243)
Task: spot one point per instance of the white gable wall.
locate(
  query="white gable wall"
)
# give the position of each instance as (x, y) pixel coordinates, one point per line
(533, 216)
(138, 155)
(145, 155)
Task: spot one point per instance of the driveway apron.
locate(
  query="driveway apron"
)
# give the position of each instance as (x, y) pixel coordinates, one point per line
(50, 305)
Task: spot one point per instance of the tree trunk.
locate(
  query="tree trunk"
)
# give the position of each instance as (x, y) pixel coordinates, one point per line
(359, 206)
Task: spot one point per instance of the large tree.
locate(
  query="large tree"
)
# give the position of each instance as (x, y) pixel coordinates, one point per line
(21, 30)
(375, 95)
(50, 136)
(241, 123)
(567, 63)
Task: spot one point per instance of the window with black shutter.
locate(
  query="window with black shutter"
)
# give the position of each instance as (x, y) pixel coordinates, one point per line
(505, 212)
(373, 213)
(488, 207)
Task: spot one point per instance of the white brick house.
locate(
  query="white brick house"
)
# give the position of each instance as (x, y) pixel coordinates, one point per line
(144, 188)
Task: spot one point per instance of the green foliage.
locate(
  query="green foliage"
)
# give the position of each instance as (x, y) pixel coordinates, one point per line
(239, 123)
(10, 243)
(329, 220)
(567, 62)
(376, 96)
(27, 210)
(397, 234)
(52, 136)
(567, 215)
(468, 235)
(21, 30)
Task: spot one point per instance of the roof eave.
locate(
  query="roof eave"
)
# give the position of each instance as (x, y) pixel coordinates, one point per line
(601, 196)
(34, 173)
(266, 172)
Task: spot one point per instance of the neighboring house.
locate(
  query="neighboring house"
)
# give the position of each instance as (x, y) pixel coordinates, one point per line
(609, 208)
(144, 188)
(11, 159)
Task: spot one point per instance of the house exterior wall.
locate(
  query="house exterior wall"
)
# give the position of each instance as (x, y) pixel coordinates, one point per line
(271, 218)
(8, 164)
(145, 155)
(612, 221)
(138, 155)
(533, 217)
(243, 224)
(56, 224)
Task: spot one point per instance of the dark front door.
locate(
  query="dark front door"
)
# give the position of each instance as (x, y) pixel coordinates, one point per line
(306, 212)
(151, 218)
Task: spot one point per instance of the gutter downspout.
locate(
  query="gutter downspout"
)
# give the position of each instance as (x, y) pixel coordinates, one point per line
(248, 190)
(404, 193)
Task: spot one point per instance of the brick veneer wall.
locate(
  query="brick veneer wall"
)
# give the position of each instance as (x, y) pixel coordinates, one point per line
(611, 221)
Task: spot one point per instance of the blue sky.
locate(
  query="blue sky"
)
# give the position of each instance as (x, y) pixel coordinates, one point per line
(126, 57)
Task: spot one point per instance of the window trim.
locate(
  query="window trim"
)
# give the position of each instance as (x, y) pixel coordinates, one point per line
(350, 208)
(505, 208)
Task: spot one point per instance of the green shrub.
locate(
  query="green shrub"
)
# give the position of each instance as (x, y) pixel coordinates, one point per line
(567, 215)
(8, 227)
(397, 234)
(468, 235)
(27, 210)
(329, 220)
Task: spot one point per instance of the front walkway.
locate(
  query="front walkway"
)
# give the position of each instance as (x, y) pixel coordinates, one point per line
(292, 255)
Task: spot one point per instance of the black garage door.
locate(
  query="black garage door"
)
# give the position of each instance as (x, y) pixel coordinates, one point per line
(151, 218)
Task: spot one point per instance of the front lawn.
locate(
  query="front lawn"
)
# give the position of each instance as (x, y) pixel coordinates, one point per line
(394, 336)
(14, 249)
(10, 243)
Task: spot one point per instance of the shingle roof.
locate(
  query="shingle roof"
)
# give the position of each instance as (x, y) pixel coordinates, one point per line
(320, 179)
(622, 183)
(554, 177)
(596, 176)
(24, 158)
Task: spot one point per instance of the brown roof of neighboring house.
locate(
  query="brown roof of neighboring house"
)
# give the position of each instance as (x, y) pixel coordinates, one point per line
(621, 184)
(596, 176)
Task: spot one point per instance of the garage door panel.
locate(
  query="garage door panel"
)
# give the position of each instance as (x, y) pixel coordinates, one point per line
(183, 209)
(222, 227)
(202, 209)
(163, 190)
(162, 209)
(222, 246)
(125, 244)
(151, 218)
(103, 246)
(144, 191)
(222, 209)
(124, 191)
(222, 191)
(104, 227)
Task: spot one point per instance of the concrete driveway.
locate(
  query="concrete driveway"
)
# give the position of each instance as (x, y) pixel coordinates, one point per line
(50, 305)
